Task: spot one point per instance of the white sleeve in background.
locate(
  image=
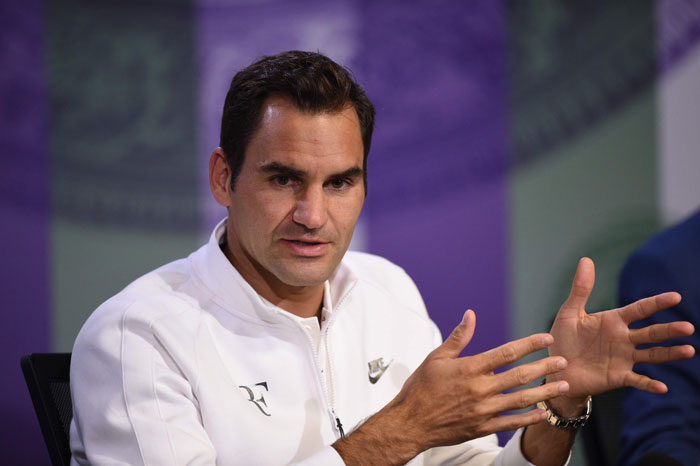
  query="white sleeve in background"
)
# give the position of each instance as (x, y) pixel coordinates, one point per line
(329, 456)
(512, 454)
(482, 452)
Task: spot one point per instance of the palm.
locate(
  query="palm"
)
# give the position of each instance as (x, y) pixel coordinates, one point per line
(598, 350)
(601, 349)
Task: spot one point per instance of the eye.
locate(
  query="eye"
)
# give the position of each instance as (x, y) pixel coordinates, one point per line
(339, 183)
(281, 180)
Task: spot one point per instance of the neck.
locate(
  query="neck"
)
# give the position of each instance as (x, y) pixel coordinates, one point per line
(303, 301)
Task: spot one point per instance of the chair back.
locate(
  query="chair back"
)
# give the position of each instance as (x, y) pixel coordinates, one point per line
(47, 376)
(601, 434)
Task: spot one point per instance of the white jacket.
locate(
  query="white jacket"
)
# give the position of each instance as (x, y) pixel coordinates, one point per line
(189, 366)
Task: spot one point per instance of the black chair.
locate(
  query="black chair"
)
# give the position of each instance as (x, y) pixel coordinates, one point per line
(47, 376)
(601, 435)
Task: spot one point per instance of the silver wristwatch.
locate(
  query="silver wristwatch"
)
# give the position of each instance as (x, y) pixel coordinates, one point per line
(569, 423)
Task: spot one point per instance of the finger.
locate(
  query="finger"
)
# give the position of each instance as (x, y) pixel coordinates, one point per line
(510, 352)
(526, 397)
(523, 375)
(459, 338)
(642, 382)
(659, 354)
(648, 306)
(581, 288)
(513, 421)
(661, 332)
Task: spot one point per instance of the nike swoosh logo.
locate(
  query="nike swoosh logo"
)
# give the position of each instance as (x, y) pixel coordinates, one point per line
(377, 369)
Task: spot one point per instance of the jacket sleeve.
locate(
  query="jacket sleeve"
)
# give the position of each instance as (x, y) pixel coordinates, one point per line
(667, 423)
(131, 402)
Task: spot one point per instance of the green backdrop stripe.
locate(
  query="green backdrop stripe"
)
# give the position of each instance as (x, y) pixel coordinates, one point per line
(123, 162)
(583, 126)
(583, 146)
(123, 99)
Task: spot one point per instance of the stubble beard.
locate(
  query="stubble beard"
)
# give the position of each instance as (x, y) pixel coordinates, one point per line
(303, 271)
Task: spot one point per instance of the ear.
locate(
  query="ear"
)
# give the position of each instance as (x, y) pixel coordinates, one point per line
(220, 177)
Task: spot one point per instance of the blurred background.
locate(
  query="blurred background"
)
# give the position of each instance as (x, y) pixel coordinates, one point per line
(512, 138)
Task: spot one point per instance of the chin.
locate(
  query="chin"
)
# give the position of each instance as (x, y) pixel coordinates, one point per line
(303, 280)
(304, 276)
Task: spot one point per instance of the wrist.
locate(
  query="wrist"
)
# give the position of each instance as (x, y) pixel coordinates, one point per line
(383, 439)
(568, 407)
(564, 405)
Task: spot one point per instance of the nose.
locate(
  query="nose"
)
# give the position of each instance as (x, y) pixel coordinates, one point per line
(311, 209)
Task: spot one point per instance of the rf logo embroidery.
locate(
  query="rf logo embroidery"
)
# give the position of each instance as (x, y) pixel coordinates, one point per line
(260, 401)
(377, 369)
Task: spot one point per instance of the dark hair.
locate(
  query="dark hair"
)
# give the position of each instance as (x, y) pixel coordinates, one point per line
(312, 82)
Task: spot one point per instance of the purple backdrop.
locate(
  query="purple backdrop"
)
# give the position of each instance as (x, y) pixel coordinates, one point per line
(24, 181)
(437, 193)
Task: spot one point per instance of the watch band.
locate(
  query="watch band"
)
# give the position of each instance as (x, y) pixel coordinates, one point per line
(568, 423)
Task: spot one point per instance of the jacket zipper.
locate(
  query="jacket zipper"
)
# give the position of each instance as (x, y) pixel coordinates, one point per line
(325, 334)
(335, 420)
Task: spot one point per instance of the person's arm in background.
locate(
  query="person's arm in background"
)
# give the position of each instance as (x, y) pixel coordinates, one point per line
(668, 423)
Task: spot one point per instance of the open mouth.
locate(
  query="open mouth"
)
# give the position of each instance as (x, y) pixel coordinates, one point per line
(306, 248)
(305, 243)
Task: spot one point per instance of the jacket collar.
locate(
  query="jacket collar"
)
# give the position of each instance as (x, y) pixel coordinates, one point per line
(234, 294)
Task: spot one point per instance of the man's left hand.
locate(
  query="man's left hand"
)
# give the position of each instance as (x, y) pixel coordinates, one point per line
(601, 349)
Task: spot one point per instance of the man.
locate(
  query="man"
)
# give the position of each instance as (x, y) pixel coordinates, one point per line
(256, 348)
(668, 425)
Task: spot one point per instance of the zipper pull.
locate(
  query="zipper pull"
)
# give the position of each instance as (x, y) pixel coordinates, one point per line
(338, 424)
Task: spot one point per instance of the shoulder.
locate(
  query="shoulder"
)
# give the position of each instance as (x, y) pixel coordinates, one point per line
(385, 277)
(671, 258)
(373, 268)
(390, 302)
(681, 243)
(378, 271)
(164, 293)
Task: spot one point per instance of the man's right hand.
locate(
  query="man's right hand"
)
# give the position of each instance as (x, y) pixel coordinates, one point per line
(449, 400)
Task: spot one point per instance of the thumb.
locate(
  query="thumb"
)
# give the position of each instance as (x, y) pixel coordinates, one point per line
(459, 338)
(581, 288)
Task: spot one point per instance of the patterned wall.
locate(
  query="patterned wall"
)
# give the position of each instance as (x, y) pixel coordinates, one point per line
(512, 138)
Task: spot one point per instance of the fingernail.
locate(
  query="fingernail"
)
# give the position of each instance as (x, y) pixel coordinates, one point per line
(547, 340)
(561, 364)
(564, 387)
(543, 415)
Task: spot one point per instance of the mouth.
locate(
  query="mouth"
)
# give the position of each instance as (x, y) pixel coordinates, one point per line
(306, 248)
(304, 243)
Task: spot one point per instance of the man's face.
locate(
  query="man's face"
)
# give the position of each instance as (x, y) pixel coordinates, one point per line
(298, 195)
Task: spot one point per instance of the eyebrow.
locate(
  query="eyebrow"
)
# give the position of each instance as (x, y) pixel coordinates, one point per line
(354, 172)
(276, 167)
